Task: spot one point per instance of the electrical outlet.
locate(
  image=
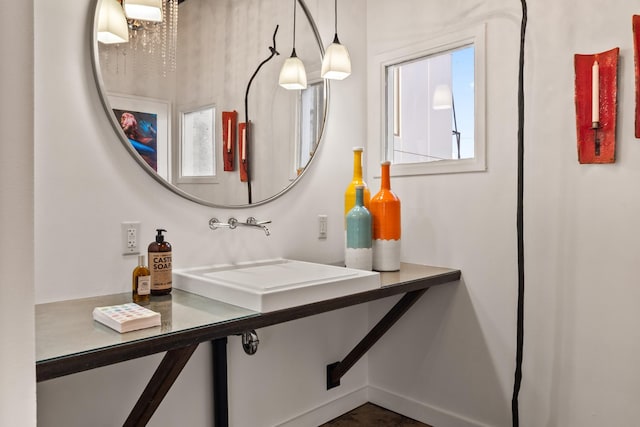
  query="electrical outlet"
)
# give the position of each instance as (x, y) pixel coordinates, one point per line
(130, 235)
(322, 226)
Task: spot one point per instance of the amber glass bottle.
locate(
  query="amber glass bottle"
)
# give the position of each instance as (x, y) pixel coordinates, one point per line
(160, 265)
(350, 194)
(141, 286)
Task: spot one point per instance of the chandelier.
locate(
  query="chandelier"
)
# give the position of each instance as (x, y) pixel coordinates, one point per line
(151, 33)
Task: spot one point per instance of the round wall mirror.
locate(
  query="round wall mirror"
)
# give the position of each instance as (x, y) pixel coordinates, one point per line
(194, 96)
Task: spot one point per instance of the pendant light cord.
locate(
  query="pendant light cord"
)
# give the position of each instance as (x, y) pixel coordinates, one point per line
(520, 226)
(335, 16)
(294, 25)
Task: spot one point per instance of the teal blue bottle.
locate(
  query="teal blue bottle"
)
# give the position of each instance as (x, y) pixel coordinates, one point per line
(358, 251)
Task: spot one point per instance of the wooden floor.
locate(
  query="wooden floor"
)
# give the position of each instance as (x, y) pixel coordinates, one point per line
(371, 415)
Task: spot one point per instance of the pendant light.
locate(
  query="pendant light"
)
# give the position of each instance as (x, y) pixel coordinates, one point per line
(112, 24)
(143, 10)
(293, 75)
(442, 97)
(336, 64)
(443, 100)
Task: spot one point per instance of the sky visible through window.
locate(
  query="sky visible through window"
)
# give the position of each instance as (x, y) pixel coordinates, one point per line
(462, 81)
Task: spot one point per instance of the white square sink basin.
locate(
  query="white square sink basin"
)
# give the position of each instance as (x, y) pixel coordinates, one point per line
(275, 284)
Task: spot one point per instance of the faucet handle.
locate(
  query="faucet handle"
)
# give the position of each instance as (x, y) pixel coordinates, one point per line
(214, 224)
(233, 223)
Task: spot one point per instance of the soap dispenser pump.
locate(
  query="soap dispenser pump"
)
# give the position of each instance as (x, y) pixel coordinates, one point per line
(160, 264)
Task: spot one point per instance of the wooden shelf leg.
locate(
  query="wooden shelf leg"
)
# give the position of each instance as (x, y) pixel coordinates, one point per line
(161, 381)
(335, 371)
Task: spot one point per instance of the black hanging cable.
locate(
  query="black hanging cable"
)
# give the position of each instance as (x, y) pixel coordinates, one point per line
(274, 52)
(520, 226)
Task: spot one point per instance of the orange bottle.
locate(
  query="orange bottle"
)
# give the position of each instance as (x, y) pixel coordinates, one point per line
(350, 194)
(385, 210)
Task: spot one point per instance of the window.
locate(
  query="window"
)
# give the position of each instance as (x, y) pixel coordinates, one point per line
(432, 105)
(197, 144)
(310, 123)
(432, 101)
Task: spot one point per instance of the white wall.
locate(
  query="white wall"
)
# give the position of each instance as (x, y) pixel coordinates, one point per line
(17, 387)
(583, 268)
(86, 184)
(457, 357)
(454, 352)
(450, 360)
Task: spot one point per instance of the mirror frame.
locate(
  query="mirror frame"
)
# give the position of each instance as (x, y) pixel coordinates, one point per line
(102, 92)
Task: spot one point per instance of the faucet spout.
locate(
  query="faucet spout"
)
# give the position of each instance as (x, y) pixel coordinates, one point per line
(252, 222)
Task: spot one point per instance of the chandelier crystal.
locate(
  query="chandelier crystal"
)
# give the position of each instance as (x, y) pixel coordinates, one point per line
(151, 43)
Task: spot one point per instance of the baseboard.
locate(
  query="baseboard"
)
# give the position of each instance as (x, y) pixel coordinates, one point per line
(330, 410)
(419, 411)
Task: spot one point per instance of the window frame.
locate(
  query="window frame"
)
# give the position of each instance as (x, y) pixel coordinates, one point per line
(378, 91)
(210, 179)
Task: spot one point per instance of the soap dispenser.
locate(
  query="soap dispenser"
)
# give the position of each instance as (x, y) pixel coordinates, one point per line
(160, 264)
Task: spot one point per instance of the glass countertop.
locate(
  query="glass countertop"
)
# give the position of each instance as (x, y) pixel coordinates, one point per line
(67, 327)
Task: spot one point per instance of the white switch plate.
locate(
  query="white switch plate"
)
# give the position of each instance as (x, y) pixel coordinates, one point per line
(322, 226)
(130, 236)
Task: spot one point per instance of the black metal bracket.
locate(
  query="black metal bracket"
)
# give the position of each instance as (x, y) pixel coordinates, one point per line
(161, 381)
(336, 370)
(220, 390)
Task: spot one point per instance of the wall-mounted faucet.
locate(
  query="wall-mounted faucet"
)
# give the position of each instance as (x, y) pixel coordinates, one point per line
(232, 223)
